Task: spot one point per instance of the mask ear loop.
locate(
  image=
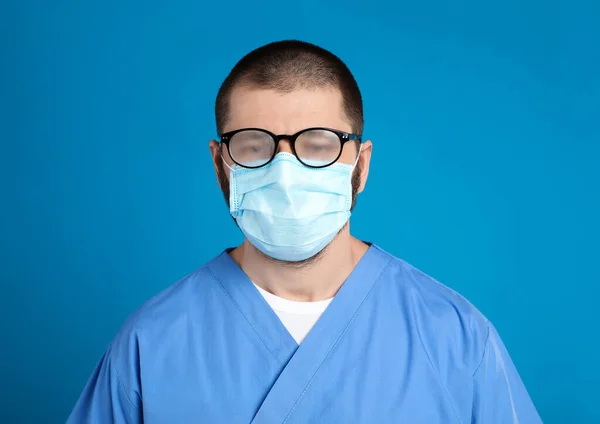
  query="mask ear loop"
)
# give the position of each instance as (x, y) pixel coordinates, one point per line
(351, 173)
(357, 156)
(226, 164)
(223, 159)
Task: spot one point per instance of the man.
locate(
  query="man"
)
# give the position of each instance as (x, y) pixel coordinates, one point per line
(302, 323)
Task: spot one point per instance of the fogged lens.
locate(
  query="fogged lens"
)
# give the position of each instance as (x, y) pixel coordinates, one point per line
(318, 147)
(251, 148)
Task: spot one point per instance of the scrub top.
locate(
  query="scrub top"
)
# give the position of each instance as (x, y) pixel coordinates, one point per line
(393, 346)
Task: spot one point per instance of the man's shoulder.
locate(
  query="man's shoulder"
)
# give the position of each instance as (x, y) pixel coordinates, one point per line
(167, 312)
(444, 318)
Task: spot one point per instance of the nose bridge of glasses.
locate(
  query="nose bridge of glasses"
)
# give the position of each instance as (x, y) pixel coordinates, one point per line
(284, 143)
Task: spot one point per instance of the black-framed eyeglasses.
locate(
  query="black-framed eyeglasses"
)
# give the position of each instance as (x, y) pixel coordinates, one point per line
(316, 147)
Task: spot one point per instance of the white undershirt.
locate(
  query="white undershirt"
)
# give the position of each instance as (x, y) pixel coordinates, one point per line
(297, 317)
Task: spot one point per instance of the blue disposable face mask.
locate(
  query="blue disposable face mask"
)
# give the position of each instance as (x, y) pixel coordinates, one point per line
(290, 211)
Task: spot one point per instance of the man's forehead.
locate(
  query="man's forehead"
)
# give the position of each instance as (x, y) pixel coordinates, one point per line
(284, 112)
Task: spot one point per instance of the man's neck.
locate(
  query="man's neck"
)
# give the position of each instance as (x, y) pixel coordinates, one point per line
(318, 280)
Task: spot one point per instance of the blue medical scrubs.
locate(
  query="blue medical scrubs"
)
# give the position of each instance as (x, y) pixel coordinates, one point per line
(394, 346)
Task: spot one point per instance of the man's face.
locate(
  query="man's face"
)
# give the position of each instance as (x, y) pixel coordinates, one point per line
(288, 113)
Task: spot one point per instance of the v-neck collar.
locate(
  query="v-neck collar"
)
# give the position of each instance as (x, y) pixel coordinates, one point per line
(299, 364)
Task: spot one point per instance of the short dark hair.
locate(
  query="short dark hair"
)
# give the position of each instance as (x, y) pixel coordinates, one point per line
(288, 65)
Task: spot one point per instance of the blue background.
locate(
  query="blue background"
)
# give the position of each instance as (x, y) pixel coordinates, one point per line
(485, 171)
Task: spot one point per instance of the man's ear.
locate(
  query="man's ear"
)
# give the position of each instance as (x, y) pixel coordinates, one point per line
(364, 161)
(215, 153)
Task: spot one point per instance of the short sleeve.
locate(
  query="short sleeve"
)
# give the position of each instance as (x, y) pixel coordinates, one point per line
(105, 399)
(499, 394)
